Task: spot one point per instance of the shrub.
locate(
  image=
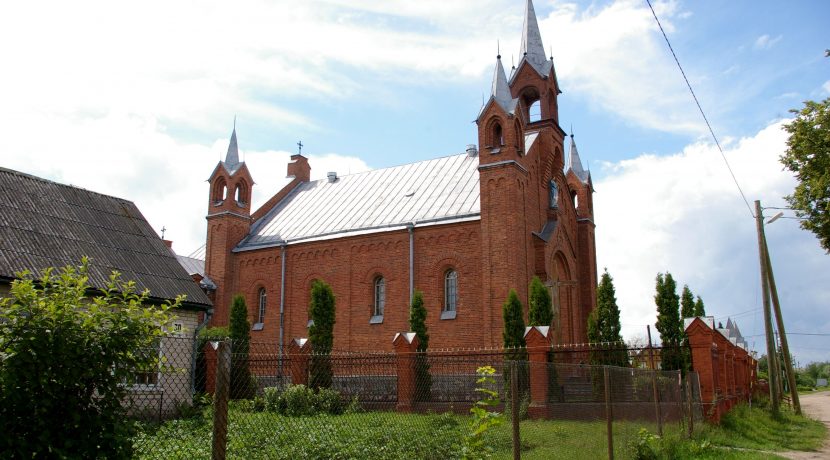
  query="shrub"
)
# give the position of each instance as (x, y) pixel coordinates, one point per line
(299, 400)
(484, 417)
(417, 324)
(321, 333)
(643, 447)
(66, 357)
(328, 401)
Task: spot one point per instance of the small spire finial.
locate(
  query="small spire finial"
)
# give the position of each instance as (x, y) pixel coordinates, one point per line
(163, 229)
(234, 122)
(300, 147)
(572, 130)
(498, 49)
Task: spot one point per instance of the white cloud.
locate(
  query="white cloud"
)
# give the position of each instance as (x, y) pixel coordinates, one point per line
(765, 42)
(683, 214)
(616, 57)
(826, 87)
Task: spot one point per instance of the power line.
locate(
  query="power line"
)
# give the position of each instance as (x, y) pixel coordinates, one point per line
(711, 131)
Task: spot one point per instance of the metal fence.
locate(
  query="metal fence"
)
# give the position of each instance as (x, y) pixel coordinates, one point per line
(218, 403)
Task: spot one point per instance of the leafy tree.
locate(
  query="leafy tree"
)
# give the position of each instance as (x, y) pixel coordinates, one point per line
(604, 326)
(808, 156)
(700, 309)
(239, 332)
(67, 355)
(541, 306)
(321, 334)
(669, 323)
(418, 325)
(687, 303)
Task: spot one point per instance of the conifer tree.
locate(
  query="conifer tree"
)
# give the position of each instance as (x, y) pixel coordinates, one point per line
(240, 335)
(418, 325)
(687, 303)
(514, 342)
(700, 309)
(541, 306)
(321, 334)
(668, 322)
(604, 325)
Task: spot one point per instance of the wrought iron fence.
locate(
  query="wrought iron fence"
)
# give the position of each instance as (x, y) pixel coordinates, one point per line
(210, 402)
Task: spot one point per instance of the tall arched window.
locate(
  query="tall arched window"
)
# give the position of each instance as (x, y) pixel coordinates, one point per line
(498, 135)
(450, 291)
(380, 296)
(263, 302)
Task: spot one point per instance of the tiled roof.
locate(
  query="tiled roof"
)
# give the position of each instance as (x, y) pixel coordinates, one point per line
(433, 191)
(46, 224)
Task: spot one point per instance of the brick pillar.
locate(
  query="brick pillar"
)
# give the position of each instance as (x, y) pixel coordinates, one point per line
(741, 373)
(704, 362)
(299, 352)
(538, 341)
(405, 345)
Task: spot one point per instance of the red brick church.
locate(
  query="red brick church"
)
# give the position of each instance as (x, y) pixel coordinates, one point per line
(463, 229)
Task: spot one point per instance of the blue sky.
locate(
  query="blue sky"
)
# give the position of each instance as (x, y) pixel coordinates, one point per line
(138, 101)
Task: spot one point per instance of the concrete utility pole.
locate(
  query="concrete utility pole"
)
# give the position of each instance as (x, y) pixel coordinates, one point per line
(779, 321)
(772, 362)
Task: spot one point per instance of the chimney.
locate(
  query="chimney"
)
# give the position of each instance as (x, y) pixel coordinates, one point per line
(168, 243)
(299, 168)
(332, 176)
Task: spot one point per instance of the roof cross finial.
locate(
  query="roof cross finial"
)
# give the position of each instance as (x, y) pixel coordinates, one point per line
(498, 49)
(234, 122)
(163, 229)
(300, 146)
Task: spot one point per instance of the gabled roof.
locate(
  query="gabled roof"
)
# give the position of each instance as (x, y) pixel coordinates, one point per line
(47, 224)
(428, 192)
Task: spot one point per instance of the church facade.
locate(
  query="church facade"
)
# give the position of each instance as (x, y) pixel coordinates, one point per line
(463, 229)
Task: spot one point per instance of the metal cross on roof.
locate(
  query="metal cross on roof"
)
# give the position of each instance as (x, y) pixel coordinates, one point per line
(300, 145)
(163, 229)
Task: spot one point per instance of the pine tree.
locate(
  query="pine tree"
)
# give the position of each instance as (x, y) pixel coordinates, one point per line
(240, 334)
(418, 325)
(541, 306)
(668, 322)
(321, 334)
(700, 309)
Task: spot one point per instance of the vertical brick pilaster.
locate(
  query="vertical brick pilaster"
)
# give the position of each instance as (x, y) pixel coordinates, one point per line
(299, 352)
(406, 345)
(704, 362)
(538, 339)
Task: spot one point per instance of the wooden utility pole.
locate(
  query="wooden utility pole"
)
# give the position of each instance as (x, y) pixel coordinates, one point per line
(772, 362)
(779, 321)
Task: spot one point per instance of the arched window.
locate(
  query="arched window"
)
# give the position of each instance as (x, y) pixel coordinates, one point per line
(450, 291)
(263, 302)
(380, 296)
(498, 135)
(220, 191)
(240, 193)
(534, 111)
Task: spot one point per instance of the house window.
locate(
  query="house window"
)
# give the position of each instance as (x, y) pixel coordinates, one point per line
(262, 304)
(553, 194)
(380, 300)
(450, 294)
(148, 377)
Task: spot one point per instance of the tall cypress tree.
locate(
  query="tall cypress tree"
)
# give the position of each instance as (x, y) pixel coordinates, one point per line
(668, 322)
(418, 325)
(514, 342)
(700, 309)
(687, 303)
(604, 325)
(239, 331)
(541, 306)
(321, 334)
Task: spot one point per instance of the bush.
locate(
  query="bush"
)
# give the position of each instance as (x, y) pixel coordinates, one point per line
(300, 400)
(66, 359)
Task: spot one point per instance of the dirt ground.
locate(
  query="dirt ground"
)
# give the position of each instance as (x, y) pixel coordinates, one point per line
(817, 406)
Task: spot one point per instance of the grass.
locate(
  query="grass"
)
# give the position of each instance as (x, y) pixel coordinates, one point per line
(743, 434)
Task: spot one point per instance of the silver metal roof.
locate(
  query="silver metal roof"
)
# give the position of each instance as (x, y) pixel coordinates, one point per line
(500, 90)
(532, 48)
(232, 157)
(575, 163)
(435, 191)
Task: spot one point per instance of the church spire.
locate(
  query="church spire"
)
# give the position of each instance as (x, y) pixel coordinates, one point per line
(500, 90)
(232, 158)
(575, 163)
(532, 48)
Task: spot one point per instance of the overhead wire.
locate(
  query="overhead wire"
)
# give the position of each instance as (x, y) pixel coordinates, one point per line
(708, 125)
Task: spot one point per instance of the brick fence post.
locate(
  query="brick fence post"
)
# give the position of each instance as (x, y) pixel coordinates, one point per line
(704, 353)
(538, 342)
(299, 352)
(406, 346)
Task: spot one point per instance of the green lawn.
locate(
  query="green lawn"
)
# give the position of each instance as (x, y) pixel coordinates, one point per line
(389, 435)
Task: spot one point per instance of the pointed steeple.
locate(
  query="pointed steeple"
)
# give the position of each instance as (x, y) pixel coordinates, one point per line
(500, 90)
(232, 157)
(575, 163)
(532, 48)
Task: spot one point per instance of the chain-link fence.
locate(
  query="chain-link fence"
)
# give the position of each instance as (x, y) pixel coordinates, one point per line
(214, 402)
